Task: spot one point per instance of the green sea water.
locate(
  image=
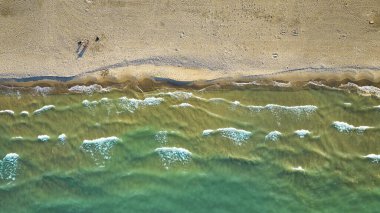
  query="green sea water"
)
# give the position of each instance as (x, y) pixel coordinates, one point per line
(190, 151)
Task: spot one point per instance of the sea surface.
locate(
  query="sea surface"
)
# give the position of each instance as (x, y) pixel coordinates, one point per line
(239, 149)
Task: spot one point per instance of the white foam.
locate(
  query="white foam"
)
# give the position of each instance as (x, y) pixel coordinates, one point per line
(345, 127)
(132, 104)
(161, 136)
(43, 109)
(43, 138)
(238, 136)
(303, 109)
(171, 155)
(24, 113)
(273, 136)
(7, 111)
(88, 89)
(298, 169)
(207, 132)
(100, 148)
(87, 103)
(183, 105)
(62, 138)
(104, 100)
(17, 138)
(9, 166)
(375, 158)
(256, 108)
(43, 90)
(363, 90)
(280, 84)
(302, 133)
(178, 94)
(217, 99)
(320, 85)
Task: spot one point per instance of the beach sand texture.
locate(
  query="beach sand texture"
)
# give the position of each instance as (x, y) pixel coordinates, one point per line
(40, 37)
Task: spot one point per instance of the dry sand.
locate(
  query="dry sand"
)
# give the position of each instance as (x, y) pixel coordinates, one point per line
(187, 40)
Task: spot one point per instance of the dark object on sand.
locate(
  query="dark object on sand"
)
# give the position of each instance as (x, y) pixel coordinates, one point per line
(97, 38)
(82, 46)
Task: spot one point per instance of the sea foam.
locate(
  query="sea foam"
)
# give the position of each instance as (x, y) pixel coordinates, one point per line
(62, 138)
(363, 90)
(375, 158)
(43, 90)
(88, 89)
(345, 127)
(7, 111)
(238, 136)
(100, 148)
(132, 104)
(170, 155)
(9, 166)
(178, 94)
(24, 113)
(43, 138)
(302, 133)
(43, 109)
(274, 108)
(183, 105)
(161, 136)
(298, 169)
(273, 136)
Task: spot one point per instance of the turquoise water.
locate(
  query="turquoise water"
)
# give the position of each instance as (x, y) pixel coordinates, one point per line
(190, 151)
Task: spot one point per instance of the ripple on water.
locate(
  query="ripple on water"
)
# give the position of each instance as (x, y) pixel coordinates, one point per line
(170, 155)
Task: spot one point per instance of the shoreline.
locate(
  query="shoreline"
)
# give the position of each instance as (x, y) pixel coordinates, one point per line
(145, 78)
(182, 76)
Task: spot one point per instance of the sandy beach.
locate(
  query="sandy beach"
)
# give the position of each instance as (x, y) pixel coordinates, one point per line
(193, 40)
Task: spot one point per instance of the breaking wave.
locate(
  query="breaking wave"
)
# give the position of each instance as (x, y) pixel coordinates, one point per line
(375, 158)
(161, 136)
(9, 166)
(273, 136)
(302, 133)
(345, 127)
(170, 155)
(7, 111)
(132, 104)
(88, 89)
(100, 148)
(178, 94)
(43, 109)
(238, 136)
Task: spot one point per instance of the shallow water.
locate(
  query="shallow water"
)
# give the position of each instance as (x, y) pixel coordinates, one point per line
(235, 150)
